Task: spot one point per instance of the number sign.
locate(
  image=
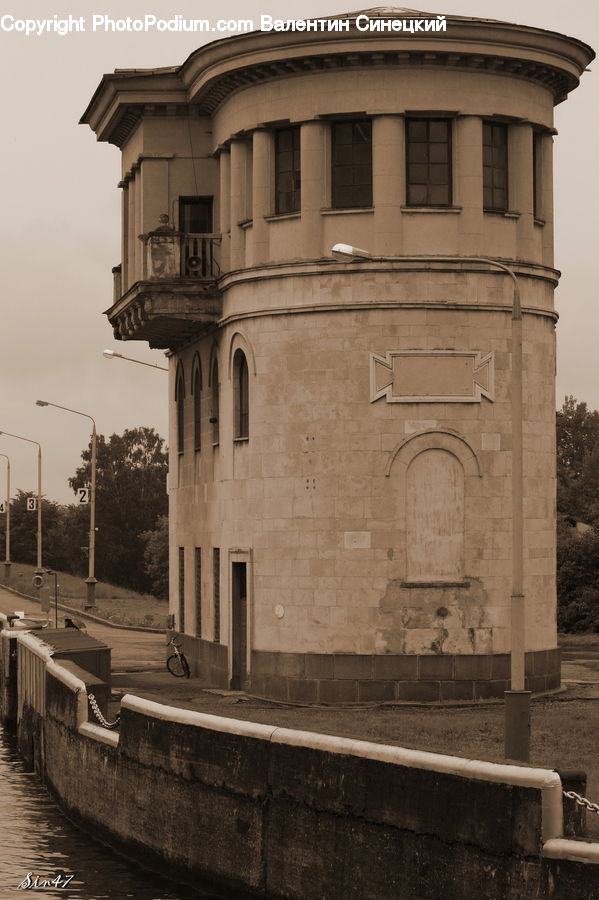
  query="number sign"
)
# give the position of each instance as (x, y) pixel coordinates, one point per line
(31, 504)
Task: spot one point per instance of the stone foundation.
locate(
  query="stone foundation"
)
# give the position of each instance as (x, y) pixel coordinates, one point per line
(366, 678)
(351, 678)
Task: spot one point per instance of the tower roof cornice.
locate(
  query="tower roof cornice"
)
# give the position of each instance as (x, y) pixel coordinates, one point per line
(218, 69)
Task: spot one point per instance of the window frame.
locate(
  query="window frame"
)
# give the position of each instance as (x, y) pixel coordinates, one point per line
(496, 128)
(537, 175)
(181, 589)
(180, 410)
(215, 402)
(216, 593)
(186, 202)
(241, 396)
(337, 166)
(428, 184)
(198, 589)
(196, 390)
(294, 171)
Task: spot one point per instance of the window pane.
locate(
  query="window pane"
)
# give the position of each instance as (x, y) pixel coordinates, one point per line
(438, 131)
(417, 130)
(287, 170)
(439, 195)
(351, 164)
(418, 174)
(439, 153)
(438, 174)
(417, 194)
(429, 161)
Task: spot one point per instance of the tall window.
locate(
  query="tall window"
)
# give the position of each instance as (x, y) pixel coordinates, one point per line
(537, 170)
(352, 164)
(287, 170)
(429, 162)
(180, 402)
(198, 589)
(214, 407)
(495, 196)
(241, 395)
(195, 215)
(216, 592)
(197, 409)
(181, 589)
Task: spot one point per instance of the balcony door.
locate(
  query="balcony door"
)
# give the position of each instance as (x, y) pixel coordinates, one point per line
(195, 215)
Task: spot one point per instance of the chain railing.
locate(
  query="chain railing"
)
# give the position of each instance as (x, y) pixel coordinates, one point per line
(96, 711)
(582, 801)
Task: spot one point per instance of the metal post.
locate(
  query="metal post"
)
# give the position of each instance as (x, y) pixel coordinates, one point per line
(39, 569)
(7, 562)
(91, 580)
(517, 699)
(55, 600)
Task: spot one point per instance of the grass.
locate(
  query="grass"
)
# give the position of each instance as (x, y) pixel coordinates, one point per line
(116, 604)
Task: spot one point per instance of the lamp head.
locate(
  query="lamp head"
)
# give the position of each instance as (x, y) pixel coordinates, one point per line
(41, 403)
(346, 252)
(110, 354)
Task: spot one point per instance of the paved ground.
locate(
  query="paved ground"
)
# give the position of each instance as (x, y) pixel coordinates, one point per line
(131, 649)
(138, 664)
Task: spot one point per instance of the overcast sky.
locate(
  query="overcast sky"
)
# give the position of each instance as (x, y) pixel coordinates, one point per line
(60, 228)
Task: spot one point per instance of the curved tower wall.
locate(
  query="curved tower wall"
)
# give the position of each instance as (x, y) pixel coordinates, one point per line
(357, 543)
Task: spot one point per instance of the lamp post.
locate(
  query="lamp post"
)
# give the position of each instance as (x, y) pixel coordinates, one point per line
(112, 354)
(7, 529)
(39, 570)
(517, 699)
(90, 581)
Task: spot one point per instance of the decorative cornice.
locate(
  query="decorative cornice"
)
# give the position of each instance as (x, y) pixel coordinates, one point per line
(218, 90)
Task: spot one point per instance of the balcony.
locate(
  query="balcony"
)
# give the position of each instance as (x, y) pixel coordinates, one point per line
(177, 296)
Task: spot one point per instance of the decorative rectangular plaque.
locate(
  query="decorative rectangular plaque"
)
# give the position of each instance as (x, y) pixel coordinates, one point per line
(432, 376)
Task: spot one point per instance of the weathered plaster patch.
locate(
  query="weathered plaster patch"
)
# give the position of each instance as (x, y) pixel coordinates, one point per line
(434, 619)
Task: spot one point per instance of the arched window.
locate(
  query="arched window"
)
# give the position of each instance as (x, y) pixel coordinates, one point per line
(214, 395)
(435, 517)
(241, 395)
(180, 401)
(197, 408)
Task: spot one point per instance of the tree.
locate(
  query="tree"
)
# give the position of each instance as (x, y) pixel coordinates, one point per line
(23, 529)
(156, 557)
(130, 496)
(577, 432)
(578, 582)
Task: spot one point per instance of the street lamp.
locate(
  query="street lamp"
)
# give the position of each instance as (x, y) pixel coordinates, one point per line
(517, 699)
(39, 570)
(90, 581)
(7, 530)
(112, 354)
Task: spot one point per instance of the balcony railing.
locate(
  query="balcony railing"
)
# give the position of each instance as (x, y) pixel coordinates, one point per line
(197, 256)
(171, 254)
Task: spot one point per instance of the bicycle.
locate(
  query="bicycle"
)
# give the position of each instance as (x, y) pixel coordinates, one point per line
(177, 663)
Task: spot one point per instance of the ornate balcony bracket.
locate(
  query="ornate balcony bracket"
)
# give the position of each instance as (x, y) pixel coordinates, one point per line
(165, 313)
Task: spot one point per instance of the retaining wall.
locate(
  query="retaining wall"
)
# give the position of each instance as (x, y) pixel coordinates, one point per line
(272, 812)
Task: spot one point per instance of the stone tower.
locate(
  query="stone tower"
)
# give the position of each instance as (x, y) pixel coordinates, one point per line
(343, 430)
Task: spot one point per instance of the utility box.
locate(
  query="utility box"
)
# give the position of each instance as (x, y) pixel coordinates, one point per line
(80, 648)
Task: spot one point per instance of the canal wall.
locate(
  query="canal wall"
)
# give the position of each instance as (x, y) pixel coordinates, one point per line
(274, 812)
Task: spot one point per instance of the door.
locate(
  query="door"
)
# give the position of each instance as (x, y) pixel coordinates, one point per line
(239, 625)
(195, 215)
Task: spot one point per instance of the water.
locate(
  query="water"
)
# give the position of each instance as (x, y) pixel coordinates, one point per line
(36, 838)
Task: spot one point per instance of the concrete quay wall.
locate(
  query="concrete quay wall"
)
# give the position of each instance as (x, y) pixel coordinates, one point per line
(271, 812)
